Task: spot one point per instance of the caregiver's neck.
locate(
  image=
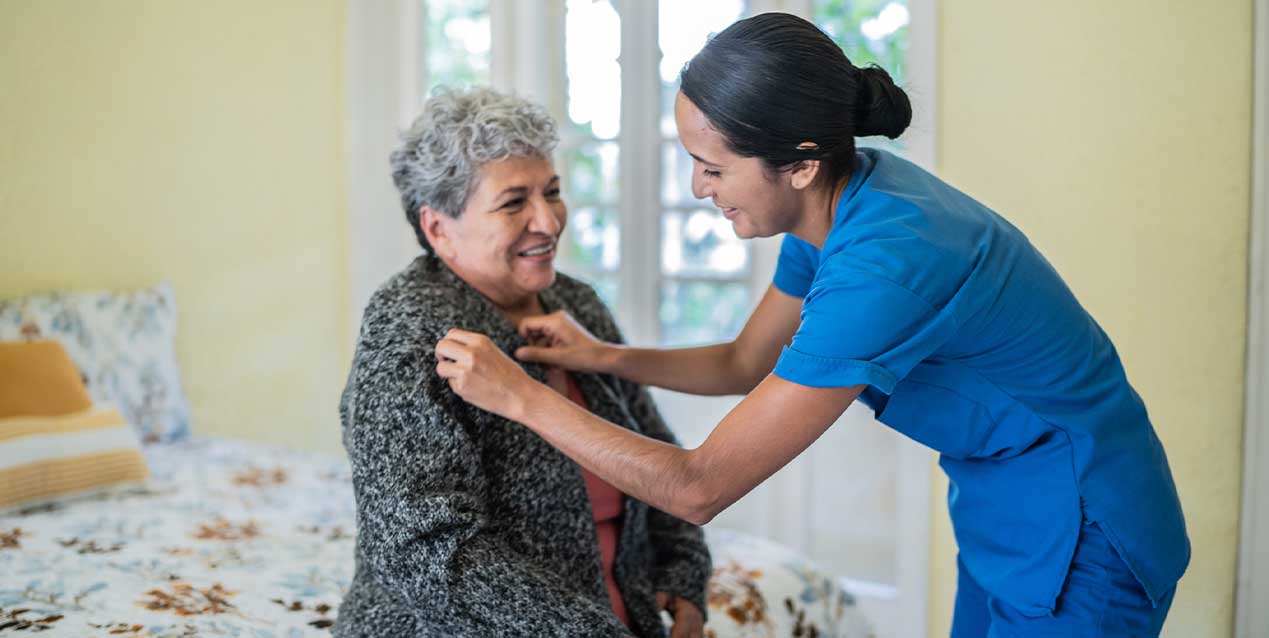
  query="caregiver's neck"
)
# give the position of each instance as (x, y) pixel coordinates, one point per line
(818, 209)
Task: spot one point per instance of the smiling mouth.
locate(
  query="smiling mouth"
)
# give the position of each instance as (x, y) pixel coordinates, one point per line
(538, 251)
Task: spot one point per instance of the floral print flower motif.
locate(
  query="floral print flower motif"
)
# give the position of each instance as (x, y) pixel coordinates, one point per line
(186, 600)
(334, 533)
(222, 529)
(253, 476)
(90, 546)
(120, 629)
(733, 590)
(12, 539)
(30, 331)
(321, 609)
(801, 626)
(24, 620)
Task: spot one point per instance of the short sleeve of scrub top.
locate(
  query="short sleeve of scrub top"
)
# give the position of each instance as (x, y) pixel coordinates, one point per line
(795, 269)
(858, 327)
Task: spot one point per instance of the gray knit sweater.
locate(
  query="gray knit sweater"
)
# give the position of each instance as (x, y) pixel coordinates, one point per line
(469, 524)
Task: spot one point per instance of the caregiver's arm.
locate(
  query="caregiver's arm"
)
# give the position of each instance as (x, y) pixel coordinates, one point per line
(735, 367)
(681, 559)
(771, 426)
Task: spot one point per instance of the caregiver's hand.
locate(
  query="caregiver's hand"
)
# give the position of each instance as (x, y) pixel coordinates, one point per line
(558, 340)
(688, 620)
(483, 375)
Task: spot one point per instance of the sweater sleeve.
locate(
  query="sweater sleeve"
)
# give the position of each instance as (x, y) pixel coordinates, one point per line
(423, 530)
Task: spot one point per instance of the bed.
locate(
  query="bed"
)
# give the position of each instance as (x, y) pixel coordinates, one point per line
(234, 538)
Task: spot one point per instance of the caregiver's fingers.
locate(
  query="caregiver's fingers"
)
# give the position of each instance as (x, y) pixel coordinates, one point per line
(536, 354)
(449, 370)
(538, 324)
(556, 327)
(454, 351)
(465, 336)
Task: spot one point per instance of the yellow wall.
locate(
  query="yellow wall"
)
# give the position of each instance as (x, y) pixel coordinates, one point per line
(1117, 135)
(197, 142)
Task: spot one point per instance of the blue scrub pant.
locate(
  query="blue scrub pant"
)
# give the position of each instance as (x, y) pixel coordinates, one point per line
(1100, 598)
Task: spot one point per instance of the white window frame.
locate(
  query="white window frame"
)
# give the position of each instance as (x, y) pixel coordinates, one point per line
(381, 97)
(1251, 618)
(383, 91)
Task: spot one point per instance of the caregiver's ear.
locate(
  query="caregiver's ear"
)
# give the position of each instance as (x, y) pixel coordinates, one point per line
(804, 173)
(434, 225)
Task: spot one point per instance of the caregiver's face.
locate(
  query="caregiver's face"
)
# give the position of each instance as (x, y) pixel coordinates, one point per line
(504, 242)
(757, 203)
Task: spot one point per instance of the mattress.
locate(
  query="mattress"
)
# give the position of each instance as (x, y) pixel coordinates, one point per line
(230, 538)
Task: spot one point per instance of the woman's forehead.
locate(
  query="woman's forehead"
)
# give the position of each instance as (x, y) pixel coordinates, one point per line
(510, 172)
(698, 135)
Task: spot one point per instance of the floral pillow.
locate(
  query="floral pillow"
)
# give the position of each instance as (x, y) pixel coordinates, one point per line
(761, 589)
(124, 345)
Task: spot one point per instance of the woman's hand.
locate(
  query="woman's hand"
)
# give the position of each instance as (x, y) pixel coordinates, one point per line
(558, 340)
(688, 620)
(483, 375)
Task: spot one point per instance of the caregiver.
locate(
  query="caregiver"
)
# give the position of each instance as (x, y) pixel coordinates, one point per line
(895, 289)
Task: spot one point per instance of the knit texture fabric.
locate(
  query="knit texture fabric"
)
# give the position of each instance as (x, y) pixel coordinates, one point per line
(471, 525)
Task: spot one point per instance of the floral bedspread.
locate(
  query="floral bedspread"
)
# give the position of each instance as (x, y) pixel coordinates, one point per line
(240, 539)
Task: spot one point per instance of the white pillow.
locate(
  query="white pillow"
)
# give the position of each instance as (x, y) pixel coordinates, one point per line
(124, 343)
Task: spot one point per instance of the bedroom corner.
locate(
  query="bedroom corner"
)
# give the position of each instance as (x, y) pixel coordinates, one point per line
(201, 144)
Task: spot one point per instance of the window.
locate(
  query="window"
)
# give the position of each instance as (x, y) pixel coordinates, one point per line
(588, 157)
(699, 275)
(455, 43)
(869, 32)
(704, 268)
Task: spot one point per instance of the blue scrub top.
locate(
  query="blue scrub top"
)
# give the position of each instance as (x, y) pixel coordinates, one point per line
(970, 343)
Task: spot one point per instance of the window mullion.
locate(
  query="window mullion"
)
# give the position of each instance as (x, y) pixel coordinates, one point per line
(640, 171)
(502, 34)
(527, 51)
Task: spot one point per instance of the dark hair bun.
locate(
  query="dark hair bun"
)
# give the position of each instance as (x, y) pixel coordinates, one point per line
(882, 108)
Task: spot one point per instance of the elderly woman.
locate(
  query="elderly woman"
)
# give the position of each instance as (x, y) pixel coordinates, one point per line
(467, 524)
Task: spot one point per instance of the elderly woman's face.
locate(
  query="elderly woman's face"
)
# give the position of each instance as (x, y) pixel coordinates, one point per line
(504, 242)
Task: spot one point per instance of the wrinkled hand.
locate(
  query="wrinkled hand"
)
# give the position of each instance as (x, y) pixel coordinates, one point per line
(688, 620)
(558, 340)
(483, 375)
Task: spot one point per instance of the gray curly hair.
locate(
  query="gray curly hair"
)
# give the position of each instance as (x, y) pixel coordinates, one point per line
(439, 159)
